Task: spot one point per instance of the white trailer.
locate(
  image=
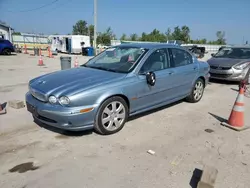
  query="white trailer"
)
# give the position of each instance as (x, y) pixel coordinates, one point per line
(69, 43)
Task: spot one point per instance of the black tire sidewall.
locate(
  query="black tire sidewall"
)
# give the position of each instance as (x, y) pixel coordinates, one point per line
(6, 51)
(98, 120)
(192, 99)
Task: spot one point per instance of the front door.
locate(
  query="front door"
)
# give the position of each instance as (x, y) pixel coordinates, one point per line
(147, 95)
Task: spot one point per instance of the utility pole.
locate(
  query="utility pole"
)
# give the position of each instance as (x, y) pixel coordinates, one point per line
(95, 22)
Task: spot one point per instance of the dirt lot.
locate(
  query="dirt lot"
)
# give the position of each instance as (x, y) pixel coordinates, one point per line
(184, 136)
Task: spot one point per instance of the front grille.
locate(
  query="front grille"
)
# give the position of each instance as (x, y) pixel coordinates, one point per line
(38, 95)
(220, 68)
(220, 75)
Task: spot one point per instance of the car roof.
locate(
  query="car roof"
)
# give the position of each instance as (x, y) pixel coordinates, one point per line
(238, 46)
(149, 45)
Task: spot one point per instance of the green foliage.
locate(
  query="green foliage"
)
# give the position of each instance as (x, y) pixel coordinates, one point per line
(134, 37)
(221, 37)
(181, 33)
(80, 28)
(105, 37)
(123, 37)
(16, 33)
(91, 33)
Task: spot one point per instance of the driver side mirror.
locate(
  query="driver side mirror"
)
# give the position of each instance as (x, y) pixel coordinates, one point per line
(212, 54)
(151, 78)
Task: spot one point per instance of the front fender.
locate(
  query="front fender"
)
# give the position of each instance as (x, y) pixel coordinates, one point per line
(108, 94)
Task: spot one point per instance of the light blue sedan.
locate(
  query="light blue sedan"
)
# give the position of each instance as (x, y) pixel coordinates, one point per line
(120, 82)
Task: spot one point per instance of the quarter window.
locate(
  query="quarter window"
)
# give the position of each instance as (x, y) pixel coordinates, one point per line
(181, 57)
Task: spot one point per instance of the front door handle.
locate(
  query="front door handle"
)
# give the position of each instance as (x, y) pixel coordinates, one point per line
(171, 73)
(195, 68)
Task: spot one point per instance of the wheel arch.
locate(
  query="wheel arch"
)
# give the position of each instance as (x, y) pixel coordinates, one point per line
(203, 79)
(106, 97)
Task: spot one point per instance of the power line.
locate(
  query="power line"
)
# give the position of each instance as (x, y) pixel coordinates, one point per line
(58, 6)
(29, 10)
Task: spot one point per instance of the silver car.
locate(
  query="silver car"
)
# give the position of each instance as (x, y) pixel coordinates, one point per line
(114, 85)
(230, 63)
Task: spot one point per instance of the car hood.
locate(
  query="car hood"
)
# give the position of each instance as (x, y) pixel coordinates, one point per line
(225, 62)
(73, 80)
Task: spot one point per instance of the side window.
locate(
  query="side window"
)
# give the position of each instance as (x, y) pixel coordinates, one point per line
(181, 57)
(158, 60)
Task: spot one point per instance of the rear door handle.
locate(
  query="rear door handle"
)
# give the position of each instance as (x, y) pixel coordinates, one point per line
(195, 68)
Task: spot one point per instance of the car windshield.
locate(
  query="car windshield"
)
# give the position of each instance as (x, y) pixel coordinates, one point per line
(235, 53)
(117, 59)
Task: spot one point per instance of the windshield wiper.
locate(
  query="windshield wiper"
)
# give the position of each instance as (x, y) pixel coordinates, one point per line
(100, 68)
(106, 69)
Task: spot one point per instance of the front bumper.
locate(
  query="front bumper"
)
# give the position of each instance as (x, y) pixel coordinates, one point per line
(66, 118)
(228, 75)
(207, 77)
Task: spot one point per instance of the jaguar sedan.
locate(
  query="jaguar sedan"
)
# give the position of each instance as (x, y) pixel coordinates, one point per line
(119, 82)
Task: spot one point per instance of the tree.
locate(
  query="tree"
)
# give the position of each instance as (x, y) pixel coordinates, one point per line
(221, 37)
(106, 37)
(134, 37)
(143, 36)
(123, 37)
(16, 33)
(181, 34)
(80, 28)
(168, 34)
(185, 31)
(91, 33)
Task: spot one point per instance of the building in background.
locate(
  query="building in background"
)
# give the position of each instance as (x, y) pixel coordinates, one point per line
(5, 31)
(31, 40)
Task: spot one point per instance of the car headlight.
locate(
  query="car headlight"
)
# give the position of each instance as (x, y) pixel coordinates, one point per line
(52, 99)
(241, 66)
(64, 100)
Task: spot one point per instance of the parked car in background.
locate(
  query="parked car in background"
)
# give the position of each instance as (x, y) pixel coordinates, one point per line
(6, 47)
(198, 51)
(230, 63)
(114, 85)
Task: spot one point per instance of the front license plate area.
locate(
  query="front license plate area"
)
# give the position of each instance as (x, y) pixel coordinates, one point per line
(32, 109)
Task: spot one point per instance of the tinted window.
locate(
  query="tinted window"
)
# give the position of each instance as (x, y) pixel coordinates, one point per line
(236, 53)
(181, 57)
(158, 60)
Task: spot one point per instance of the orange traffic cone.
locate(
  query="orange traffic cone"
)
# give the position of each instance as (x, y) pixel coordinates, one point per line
(40, 61)
(50, 55)
(25, 49)
(76, 64)
(236, 118)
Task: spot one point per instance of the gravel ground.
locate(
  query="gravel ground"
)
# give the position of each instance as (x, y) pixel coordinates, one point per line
(184, 137)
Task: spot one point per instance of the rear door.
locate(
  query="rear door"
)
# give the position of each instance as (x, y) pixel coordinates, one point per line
(185, 70)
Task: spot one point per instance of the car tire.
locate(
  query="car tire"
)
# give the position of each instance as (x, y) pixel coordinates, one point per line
(6, 51)
(197, 91)
(111, 116)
